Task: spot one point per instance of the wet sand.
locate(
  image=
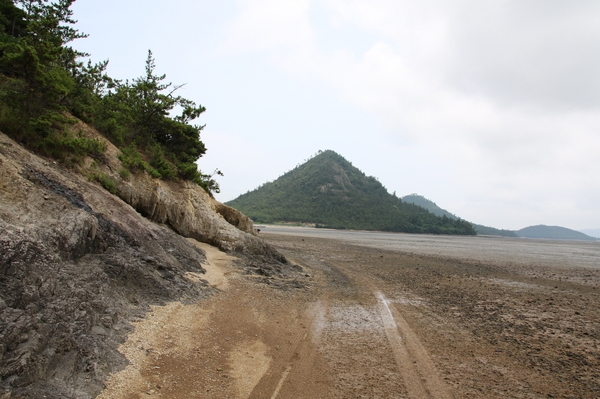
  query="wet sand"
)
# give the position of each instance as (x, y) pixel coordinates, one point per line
(429, 317)
(504, 250)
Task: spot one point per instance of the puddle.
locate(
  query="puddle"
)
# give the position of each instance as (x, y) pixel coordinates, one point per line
(354, 318)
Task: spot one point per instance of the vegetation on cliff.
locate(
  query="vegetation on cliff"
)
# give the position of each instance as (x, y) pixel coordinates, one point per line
(44, 84)
(329, 192)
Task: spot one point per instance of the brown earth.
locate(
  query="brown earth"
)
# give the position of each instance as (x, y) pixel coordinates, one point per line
(372, 323)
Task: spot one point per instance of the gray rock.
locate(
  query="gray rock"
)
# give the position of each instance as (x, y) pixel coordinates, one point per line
(77, 264)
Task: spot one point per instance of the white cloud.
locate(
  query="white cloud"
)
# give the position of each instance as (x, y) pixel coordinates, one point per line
(478, 105)
(475, 84)
(528, 52)
(267, 25)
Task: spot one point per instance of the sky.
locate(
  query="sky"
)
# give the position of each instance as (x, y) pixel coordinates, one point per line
(491, 109)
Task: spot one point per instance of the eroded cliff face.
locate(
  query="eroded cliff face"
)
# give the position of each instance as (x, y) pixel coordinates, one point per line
(184, 206)
(77, 264)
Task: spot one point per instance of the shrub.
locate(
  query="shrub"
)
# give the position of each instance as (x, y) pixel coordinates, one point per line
(104, 180)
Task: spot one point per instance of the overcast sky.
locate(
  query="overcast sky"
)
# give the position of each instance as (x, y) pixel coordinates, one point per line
(491, 109)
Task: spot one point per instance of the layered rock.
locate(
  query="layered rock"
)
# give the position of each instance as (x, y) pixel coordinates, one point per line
(184, 206)
(78, 263)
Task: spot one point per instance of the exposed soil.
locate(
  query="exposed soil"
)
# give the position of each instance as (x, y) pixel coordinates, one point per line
(373, 323)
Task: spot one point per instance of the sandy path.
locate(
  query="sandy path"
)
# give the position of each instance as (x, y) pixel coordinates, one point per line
(216, 348)
(167, 350)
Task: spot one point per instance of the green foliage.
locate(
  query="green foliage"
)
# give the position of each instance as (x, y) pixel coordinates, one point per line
(160, 163)
(131, 159)
(39, 77)
(209, 183)
(34, 53)
(65, 148)
(42, 79)
(329, 192)
(124, 173)
(104, 180)
(139, 113)
(436, 210)
(485, 230)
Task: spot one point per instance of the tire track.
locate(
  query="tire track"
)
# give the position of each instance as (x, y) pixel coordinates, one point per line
(420, 375)
(416, 373)
(295, 361)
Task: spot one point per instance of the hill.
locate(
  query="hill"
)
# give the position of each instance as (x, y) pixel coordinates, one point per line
(328, 191)
(591, 232)
(427, 204)
(436, 210)
(553, 233)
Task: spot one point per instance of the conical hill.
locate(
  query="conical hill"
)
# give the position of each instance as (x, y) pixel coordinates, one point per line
(328, 191)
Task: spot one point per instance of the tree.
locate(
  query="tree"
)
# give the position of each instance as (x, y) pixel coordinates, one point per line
(41, 77)
(140, 111)
(43, 82)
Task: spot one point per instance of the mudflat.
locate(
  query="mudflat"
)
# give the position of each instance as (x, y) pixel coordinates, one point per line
(434, 317)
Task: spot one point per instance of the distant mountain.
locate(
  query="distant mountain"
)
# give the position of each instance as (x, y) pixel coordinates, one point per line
(427, 204)
(436, 210)
(553, 232)
(591, 232)
(328, 191)
(492, 231)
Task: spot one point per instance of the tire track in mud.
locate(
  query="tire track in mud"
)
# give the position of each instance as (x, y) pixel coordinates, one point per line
(287, 375)
(354, 306)
(489, 333)
(292, 364)
(421, 377)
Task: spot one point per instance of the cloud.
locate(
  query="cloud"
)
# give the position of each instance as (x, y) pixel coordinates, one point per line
(498, 100)
(536, 53)
(267, 25)
(480, 105)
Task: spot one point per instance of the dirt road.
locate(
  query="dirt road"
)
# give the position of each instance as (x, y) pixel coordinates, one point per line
(373, 323)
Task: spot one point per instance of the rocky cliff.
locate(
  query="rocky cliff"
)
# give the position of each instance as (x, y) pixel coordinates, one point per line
(77, 264)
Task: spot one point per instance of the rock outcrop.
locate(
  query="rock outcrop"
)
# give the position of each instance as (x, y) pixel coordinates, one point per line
(184, 206)
(77, 264)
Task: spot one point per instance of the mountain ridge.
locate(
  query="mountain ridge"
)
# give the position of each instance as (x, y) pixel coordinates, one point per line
(539, 231)
(328, 191)
(435, 209)
(553, 233)
(591, 232)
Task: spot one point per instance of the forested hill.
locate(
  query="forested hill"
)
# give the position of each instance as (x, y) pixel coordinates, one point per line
(553, 233)
(436, 210)
(329, 191)
(427, 204)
